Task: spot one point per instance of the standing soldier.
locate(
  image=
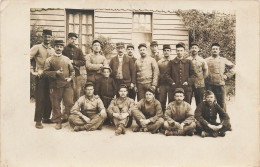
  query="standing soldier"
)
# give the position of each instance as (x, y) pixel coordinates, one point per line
(94, 62)
(120, 110)
(164, 86)
(218, 75)
(130, 51)
(155, 51)
(60, 72)
(122, 66)
(149, 115)
(198, 72)
(147, 72)
(178, 73)
(77, 59)
(88, 113)
(42, 97)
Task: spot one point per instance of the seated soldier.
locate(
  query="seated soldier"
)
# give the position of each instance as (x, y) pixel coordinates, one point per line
(88, 112)
(179, 116)
(120, 109)
(206, 116)
(149, 115)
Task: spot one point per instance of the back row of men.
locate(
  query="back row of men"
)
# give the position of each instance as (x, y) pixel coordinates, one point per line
(57, 68)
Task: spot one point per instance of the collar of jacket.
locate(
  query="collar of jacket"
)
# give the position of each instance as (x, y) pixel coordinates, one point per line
(89, 98)
(177, 60)
(71, 46)
(46, 46)
(58, 55)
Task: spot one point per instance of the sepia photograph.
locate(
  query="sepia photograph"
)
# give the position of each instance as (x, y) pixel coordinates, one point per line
(130, 83)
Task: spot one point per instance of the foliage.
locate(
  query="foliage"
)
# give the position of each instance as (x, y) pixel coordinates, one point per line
(206, 28)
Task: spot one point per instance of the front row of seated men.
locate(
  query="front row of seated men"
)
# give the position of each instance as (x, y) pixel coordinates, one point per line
(89, 114)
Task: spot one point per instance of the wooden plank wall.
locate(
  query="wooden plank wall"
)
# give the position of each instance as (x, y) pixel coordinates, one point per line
(169, 29)
(53, 19)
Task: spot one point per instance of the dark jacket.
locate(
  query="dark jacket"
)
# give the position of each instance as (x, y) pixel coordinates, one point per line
(75, 54)
(105, 87)
(128, 70)
(205, 114)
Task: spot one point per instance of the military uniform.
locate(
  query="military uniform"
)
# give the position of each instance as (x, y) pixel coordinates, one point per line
(88, 107)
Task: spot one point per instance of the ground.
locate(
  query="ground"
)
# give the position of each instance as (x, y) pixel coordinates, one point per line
(49, 147)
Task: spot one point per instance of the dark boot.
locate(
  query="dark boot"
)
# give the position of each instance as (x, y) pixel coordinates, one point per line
(58, 126)
(78, 128)
(38, 125)
(47, 121)
(119, 131)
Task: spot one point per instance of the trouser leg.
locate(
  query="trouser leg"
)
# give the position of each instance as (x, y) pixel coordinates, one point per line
(155, 126)
(39, 99)
(117, 122)
(118, 83)
(187, 94)
(75, 120)
(198, 93)
(68, 101)
(56, 97)
(163, 96)
(141, 90)
(77, 84)
(138, 115)
(131, 93)
(171, 94)
(96, 121)
(189, 128)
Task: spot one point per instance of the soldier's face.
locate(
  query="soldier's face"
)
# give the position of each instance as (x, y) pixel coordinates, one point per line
(46, 38)
(72, 40)
(149, 96)
(210, 99)
(215, 50)
(96, 47)
(180, 52)
(89, 91)
(130, 51)
(106, 73)
(143, 51)
(179, 97)
(194, 50)
(154, 48)
(167, 52)
(58, 48)
(123, 92)
(120, 51)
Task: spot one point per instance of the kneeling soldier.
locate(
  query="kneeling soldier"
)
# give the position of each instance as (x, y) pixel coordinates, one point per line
(148, 115)
(120, 109)
(206, 116)
(89, 112)
(179, 116)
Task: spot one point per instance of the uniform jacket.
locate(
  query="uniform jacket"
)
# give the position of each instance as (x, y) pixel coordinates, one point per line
(147, 71)
(217, 67)
(162, 64)
(121, 105)
(128, 70)
(87, 106)
(179, 113)
(105, 87)
(205, 114)
(151, 110)
(75, 54)
(55, 63)
(40, 53)
(156, 56)
(198, 71)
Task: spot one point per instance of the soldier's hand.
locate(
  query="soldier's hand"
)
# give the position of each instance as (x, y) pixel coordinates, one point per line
(103, 113)
(185, 83)
(34, 73)
(59, 72)
(68, 79)
(158, 90)
(225, 77)
(136, 90)
(86, 119)
(71, 61)
(101, 65)
(178, 125)
(124, 115)
(142, 121)
(132, 86)
(40, 72)
(213, 127)
(154, 87)
(116, 115)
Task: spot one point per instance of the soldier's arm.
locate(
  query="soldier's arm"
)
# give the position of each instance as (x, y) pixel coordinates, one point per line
(72, 71)
(224, 115)
(81, 59)
(77, 106)
(132, 71)
(159, 113)
(205, 69)
(198, 115)
(168, 115)
(111, 109)
(168, 74)
(100, 105)
(91, 66)
(155, 72)
(231, 71)
(189, 115)
(33, 52)
(48, 70)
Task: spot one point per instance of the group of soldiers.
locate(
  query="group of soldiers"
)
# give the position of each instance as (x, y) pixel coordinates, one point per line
(112, 87)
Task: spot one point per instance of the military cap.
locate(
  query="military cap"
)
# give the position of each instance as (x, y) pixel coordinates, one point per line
(166, 47)
(142, 45)
(178, 90)
(153, 43)
(120, 45)
(150, 89)
(58, 42)
(208, 92)
(123, 86)
(180, 45)
(89, 84)
(215, 44)
(130, 46)
(106, 67)
(96, 41)
(72, 34)
(194, 43)
(47, 32)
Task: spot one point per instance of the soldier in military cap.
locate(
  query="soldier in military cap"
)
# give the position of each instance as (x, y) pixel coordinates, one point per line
(122, 66)
(179, 116)
(147, 72)
(149, 115)
(94, 62)
(38, 54)
(120, 110)
(178, 73)
(77, 59)
(88, 112)
(60, 72)
(155, 51)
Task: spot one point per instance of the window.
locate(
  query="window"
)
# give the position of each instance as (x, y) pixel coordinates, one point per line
(81, 22)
